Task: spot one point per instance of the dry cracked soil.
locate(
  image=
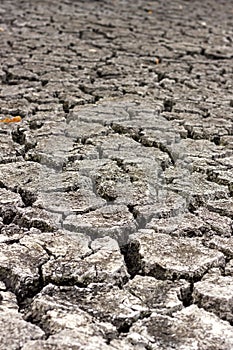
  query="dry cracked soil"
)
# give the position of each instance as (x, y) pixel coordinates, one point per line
(116, 186)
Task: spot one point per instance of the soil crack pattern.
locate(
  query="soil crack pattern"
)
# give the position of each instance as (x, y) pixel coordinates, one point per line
(116, 175)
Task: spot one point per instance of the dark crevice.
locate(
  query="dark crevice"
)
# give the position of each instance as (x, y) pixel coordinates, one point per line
(132, 258)
(132, 211)
(35, 124)
(124, 328)
(8, 213)
(18, 136)
(186, 297)
(44, 82)
(168, 105)
(27, 196)
(140, 221)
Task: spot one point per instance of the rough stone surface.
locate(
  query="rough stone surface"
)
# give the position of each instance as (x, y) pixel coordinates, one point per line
(178, 332)
(76, 340)
(214, 293)
(14, 330)
(116, 185)
(19, 267)
(163, 297)
(161, 256)
(102, 301)
(115, 221)
(74, 262)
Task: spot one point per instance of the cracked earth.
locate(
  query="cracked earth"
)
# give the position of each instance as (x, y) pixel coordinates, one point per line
(116, 186)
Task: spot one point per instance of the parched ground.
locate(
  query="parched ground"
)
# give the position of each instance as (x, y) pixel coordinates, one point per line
(116, 187)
